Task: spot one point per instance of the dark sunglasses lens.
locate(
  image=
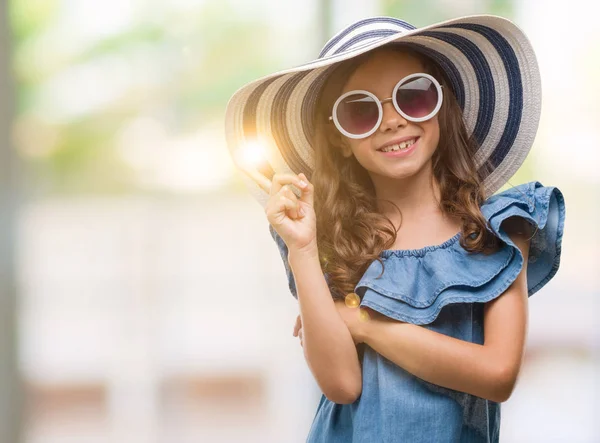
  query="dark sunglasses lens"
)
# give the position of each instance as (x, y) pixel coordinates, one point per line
(417, 97)
(357, 113)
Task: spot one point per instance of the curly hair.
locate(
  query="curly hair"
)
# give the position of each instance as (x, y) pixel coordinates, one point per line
(351, 233)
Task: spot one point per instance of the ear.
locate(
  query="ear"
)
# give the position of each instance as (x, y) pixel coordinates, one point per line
(345, 147)
(336, 139)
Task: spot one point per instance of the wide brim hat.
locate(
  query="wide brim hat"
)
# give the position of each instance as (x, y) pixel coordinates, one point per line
(488, 60)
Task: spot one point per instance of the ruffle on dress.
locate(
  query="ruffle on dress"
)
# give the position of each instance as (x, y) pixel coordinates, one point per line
(416, 284)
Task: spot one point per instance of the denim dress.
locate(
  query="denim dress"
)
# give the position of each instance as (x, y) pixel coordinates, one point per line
(442, 288)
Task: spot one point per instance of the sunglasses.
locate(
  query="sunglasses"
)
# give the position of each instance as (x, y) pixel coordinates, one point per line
(416, 97)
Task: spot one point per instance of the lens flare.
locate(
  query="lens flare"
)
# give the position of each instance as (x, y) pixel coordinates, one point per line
(251, 154)
(364, 315)
(352, 300)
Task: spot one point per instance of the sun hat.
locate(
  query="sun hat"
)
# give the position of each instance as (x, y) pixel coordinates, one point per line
(488, 60)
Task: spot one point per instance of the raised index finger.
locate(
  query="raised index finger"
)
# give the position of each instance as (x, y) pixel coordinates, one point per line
(259, 179)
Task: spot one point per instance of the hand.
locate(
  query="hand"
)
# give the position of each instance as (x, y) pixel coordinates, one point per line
(298, 330)
(354, 320)
(292, 218)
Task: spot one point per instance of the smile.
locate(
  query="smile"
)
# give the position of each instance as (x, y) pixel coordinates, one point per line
(400, 146)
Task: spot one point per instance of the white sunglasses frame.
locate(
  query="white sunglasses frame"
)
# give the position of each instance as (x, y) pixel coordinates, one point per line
(393, 99)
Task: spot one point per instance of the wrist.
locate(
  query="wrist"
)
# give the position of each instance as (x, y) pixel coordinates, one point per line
(309, 251)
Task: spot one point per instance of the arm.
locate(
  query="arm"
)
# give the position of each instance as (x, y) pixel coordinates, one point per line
(489, 370)
(329, 348)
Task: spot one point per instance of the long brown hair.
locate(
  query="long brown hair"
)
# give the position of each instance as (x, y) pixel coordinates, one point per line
(351, 233)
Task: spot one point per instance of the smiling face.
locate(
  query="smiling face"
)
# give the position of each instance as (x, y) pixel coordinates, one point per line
(379, 74)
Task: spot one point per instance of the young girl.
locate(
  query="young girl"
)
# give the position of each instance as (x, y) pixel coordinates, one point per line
(379, 164)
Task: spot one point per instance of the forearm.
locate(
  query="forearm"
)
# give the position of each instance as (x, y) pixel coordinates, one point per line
(328, 346)
(438, 358)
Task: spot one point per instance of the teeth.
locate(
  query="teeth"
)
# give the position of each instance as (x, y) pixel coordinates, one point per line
(403, 145)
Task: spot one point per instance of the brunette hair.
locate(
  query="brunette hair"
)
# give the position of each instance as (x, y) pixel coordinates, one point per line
(351, 233)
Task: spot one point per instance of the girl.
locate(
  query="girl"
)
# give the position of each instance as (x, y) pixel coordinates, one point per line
(377, 177)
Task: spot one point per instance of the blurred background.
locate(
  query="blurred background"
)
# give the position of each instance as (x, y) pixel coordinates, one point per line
(142, 297)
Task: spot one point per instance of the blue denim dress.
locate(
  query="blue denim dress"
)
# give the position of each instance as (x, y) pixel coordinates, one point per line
(442, 288)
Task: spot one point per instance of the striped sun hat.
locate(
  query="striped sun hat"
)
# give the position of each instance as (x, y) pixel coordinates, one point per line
(489, 61)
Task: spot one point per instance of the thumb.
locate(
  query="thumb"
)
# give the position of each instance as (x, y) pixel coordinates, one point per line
(308, 195)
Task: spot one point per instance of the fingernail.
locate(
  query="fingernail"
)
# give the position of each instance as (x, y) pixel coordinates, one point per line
(301, 212)
(302, 183)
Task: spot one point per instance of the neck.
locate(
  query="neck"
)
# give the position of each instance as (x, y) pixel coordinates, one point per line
(416, 196)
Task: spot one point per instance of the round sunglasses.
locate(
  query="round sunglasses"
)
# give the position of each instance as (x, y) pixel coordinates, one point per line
(416, 97)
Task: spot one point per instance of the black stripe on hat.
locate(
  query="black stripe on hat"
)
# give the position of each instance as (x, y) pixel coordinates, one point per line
(515, 90)
(447, 66)
(485, 80)
(360, 23)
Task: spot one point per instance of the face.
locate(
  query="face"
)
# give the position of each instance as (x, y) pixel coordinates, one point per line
(379, 74)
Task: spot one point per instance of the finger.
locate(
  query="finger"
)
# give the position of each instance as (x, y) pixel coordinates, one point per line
(285, 190)
(279, 180)
(258, 178)
(279, 207)
(288, 206)
(297, 326)
(308, 192)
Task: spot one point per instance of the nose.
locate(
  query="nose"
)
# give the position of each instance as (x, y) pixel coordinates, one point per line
(391, 119)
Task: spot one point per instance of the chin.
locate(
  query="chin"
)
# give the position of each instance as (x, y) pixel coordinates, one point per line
(400, 175)
(405, 170)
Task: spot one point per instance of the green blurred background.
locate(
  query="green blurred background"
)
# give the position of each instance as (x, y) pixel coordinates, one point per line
(143, 298)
